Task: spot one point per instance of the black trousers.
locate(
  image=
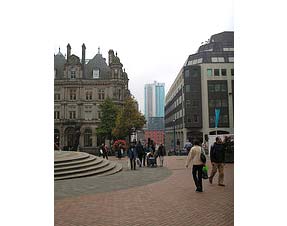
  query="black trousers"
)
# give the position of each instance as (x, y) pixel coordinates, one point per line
(141, 158)
(197, 176)
(133, 163)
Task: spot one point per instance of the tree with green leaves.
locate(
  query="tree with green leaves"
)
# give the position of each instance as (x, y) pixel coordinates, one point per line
(129, 118)
(108, 116)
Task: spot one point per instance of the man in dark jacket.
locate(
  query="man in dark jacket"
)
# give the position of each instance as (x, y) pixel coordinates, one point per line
(140, 152)
(132, 154)
(161, 153)
(217, 157)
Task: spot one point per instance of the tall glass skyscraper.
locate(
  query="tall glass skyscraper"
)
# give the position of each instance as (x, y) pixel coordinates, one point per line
(154, 111)
(154, 100)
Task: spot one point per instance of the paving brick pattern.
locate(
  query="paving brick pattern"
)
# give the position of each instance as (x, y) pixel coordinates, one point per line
(171, 200)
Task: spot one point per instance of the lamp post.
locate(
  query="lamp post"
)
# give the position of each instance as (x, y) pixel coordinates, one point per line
(174, 135)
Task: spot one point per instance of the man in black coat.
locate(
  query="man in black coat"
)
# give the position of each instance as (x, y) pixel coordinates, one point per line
(217, 157)
(140, 151)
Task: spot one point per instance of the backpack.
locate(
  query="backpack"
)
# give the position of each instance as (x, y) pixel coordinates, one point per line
(202, 157)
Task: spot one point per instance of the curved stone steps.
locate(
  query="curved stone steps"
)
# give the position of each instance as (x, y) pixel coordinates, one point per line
(69, 164)
(67, 156)
(82, 169)
(109, 166)
(116, 169)
(62, 165)
(94, 162)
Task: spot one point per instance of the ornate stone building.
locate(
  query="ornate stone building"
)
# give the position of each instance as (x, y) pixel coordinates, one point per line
(80, 86)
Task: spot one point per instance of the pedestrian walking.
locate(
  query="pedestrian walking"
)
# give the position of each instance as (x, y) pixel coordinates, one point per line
(140, 152)
(132, 154)
(161, 154)
(146, 150)
(194, 157)
(105, 151)
(217, 157)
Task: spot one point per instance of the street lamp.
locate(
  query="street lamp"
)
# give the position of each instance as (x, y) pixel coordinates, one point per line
(173, 135)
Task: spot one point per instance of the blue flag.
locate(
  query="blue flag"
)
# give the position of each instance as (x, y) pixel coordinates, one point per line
(217, 113)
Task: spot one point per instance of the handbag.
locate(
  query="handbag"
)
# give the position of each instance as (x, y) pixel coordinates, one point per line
(202, 157)
(205, 172)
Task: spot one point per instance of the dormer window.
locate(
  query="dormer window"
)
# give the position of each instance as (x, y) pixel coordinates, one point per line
(96, 73)
(73, 74)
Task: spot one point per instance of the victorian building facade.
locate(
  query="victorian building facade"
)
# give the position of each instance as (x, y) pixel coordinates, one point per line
(204, 85)
(80, 86)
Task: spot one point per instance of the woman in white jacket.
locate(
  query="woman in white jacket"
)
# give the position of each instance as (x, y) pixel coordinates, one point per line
(194, 156)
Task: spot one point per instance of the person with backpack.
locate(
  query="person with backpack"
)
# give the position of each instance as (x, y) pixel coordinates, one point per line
(217, 158)
(132, 154)
(195, 156)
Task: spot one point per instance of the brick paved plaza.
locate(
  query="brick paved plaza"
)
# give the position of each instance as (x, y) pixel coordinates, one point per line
(148, 196)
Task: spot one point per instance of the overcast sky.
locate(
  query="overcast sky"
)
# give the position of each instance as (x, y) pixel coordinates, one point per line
(152, 38)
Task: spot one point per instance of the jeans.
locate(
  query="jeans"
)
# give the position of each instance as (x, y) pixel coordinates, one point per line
(197, 176)
(133, 163)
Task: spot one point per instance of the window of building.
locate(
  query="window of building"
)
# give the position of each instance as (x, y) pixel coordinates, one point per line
(186, 74)
(225, 118)
(73, 74)
(217, 59)
(89, 95)
(57, 96)
(56, 115)
(88, 138)
(187, 88)
(218, 103)
(223, 72)
(195, 118)
(187, 103)
(211, 103)
(188, 120)
(119, 94)
(211, 119)
(101, 94)
(224, 103)
(72, 94)
(232, 72)
(195, 103)
(217, 87)
(96, 73)
(209, 72)
(72, 114)
(228, 49)
(223, 87)
(231, 59)
(216, 72)
(210, 88)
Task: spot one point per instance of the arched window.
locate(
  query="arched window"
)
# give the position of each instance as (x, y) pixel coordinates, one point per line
(56, 139)
(88, 137)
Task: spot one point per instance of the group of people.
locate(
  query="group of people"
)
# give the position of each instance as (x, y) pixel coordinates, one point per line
(217, 158)
(145, 155)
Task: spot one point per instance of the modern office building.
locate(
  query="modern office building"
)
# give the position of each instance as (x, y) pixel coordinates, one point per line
(80, 86)
(203, 86)
(154, 111)
(154, 100)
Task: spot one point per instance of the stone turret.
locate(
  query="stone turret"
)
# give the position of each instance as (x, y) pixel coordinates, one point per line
(68, 51)
(83, 58)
